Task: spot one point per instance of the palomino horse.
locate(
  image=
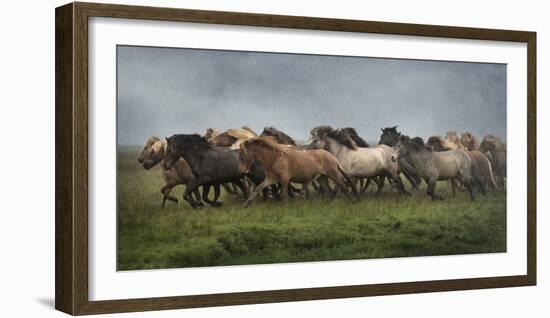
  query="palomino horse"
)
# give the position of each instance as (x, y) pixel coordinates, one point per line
(433, 166)
(390, 137)
(152, 154)
(497, 150)
(287, 164)
(358, 162)
(481, 167)
(232, 137)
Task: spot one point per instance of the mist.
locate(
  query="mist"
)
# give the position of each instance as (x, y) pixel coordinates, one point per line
(162, 91)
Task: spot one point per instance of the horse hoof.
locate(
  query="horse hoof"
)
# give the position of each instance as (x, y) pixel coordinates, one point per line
(217, 204)
(246, 204)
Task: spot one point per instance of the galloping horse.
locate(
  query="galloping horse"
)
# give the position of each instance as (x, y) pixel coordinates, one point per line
(433, 166)
(390, 137)
(358, 162)
(211, 166)
(152, 154)
(287, 164)
(481, 167)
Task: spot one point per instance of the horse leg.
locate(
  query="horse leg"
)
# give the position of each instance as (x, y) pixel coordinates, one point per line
(452, 182)
(432, 182)
(214, 202)
(413, 179)
(392, 175)
(191, 187)
(305, 188)
(197, 195)
(267, 182)
(228, 189)
(379, 184)
(338, 177)
(324, 187)
(165, 190)
(284, 190)
(242, 186)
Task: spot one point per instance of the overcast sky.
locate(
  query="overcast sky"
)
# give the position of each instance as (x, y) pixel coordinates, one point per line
(162, 91)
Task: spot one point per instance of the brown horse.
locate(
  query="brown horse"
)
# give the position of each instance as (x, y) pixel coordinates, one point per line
(469, 141)
(286, 164)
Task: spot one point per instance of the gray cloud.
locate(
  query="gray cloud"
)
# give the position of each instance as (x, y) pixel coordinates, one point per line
(162, 91)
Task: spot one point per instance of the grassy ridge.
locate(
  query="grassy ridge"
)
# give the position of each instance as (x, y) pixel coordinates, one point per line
(316, 229)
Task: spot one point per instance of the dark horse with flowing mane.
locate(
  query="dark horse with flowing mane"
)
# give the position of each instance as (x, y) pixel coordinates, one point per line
(287, 164)
(390, 137)
(210, 165)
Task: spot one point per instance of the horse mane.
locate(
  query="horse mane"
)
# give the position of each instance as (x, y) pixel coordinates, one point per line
(321, 130)
(499, 145)
(342, 137)
(416, 143)
(391, 130)
(194, 142)
(245, 127)
(279, 135)
(360, 142)
(443, 143)
(211, 133)
(240, 133)
(269, 142)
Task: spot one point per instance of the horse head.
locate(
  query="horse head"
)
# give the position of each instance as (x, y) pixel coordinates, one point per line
(488, 143)
(318, 135)
(389, 136)
(406, 146)
(152, 153)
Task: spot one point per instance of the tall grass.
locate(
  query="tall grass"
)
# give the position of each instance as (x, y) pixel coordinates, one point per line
(389, 225)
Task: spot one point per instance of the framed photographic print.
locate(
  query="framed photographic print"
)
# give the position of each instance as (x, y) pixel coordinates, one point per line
(211, 158)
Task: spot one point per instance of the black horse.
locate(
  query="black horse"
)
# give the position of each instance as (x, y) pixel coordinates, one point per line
(211, 165)
(390, 136)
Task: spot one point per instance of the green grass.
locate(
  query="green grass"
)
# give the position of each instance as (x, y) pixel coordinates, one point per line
(315, 229)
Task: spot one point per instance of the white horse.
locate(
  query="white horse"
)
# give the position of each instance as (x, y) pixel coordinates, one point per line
(358, 162)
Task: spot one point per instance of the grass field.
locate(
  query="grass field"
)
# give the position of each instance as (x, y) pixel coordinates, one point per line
(315, 229)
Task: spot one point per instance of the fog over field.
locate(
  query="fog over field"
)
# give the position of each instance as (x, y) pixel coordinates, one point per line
(162, 91)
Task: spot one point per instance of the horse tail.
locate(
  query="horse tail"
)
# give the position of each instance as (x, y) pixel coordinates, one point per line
(348, 180)
(490, 175)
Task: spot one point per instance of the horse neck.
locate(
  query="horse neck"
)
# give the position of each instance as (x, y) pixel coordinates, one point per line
(418, 158)
(266, 156)
(336, 148)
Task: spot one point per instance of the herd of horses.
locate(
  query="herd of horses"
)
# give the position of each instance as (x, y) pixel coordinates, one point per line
(272, 164)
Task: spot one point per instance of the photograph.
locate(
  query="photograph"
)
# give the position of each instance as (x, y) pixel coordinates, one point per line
(251, 158)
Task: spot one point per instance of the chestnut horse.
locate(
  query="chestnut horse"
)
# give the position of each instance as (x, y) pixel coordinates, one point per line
(286, 164)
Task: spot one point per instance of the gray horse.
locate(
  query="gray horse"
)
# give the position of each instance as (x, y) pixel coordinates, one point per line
(433, 166)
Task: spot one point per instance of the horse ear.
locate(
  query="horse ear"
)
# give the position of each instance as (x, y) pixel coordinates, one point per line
(383, 130)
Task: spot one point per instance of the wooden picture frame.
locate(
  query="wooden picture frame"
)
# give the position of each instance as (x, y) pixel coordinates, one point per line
(71, 90)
